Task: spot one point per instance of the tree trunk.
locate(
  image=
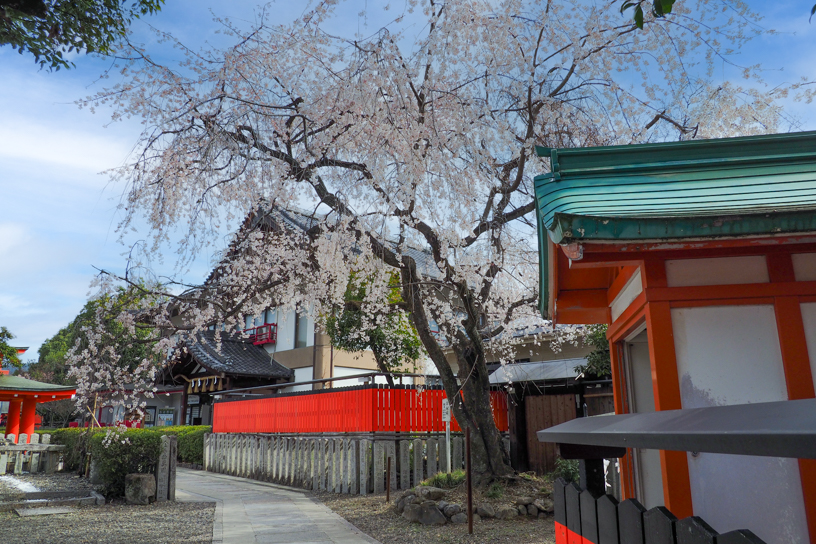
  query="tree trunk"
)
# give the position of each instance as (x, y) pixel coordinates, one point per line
(472, 407)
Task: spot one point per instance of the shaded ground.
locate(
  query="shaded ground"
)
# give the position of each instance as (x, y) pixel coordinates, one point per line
(372, 515)
(114, 524)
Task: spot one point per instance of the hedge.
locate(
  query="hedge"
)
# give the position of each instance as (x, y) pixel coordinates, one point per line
(135, 451)
(77, 440)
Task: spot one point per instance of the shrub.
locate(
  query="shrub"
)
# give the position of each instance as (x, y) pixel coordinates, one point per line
(77, 445)
(134, 451)
(567, 469)
(191, 445)
(446, 480)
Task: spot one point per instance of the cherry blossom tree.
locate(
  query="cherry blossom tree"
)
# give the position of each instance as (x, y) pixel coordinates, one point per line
(413, 151)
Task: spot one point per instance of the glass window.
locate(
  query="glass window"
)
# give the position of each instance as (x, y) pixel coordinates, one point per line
(259, 320)
(248, 322)
(269, 316)
(301, 330)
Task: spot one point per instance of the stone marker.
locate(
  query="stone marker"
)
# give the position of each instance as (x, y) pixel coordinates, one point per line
(405, 464)
(166, 469)
(162, 471)
(418, 461)
(391, 451)
(3, 462)
(45, 511)
(430, 446)
(365, 466)
(171, 488)
(456, 454)
(379, 466)
(443, 456)
(140, 488)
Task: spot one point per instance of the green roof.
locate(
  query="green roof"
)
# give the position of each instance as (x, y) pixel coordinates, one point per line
(750, 186)
(18, 383)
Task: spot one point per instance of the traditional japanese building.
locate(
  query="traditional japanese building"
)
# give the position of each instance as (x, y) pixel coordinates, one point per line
(701, 258)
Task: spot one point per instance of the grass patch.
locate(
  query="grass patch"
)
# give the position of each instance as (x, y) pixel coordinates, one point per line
(495, 491)
(446, 480)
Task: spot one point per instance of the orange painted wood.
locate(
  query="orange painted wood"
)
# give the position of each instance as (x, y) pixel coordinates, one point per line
(620, 282)
(376, 409)
(666, 384)
(629, 319)
(798, 376)
(723, 292)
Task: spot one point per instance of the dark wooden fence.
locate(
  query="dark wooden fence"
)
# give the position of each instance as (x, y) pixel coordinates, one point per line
(543, 412)
(580, 518)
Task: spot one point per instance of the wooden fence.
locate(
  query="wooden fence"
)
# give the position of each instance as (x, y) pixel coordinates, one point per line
(369, 408)
(580, 518)
(339, 464)
(39, 455)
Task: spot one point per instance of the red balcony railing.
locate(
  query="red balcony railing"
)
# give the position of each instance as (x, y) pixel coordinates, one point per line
(263, 334)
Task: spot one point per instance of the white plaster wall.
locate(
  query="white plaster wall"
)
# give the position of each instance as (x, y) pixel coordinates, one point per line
(717, 271)
(809, 319)
(730, 355)
(303, 374)
(642, 401)
(804, 267)
(340, 371)
(630, 291)
(286, 330)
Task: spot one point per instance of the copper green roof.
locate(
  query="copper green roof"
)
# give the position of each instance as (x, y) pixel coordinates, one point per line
(701, 188)
(18, 383)
(750, 186)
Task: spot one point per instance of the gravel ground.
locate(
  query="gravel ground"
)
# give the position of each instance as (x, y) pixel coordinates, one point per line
(46, 482)
(158, 523)
(372, 515)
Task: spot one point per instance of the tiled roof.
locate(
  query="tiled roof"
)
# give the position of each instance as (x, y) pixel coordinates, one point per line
(236, 356)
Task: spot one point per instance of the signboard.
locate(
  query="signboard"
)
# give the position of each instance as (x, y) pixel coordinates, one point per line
(193, 399)
(446, 412)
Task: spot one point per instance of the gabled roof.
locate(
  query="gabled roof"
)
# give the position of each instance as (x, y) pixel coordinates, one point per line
(235, 356)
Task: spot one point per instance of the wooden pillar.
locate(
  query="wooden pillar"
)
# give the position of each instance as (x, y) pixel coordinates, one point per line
(27, 421)
(666, 384)
(13, 423)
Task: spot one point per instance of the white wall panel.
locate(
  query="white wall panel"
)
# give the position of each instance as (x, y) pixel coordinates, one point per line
(717, 271)
(809, 318)
(804, 266)
(730, 355)
(630, 291)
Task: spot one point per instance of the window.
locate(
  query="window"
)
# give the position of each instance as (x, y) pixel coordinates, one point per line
(269, 316)
(248, 322)
(301, 330)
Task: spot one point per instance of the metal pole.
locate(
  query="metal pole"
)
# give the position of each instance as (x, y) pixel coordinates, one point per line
(447, 445)
(469, 481)
(388, 480)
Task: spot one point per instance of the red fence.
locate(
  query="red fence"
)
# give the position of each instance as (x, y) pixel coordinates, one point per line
(348, 410)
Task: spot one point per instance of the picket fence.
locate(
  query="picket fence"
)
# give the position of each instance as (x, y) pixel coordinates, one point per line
(581, 518)
(362, 409)
(339, 464)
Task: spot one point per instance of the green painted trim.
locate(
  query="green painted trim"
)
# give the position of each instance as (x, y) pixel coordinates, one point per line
(543, 267)
(574, 228)
(18, 383)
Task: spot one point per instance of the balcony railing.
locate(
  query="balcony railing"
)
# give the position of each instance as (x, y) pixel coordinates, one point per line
(263, 334)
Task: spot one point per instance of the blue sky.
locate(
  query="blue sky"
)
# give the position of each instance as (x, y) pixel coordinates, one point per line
(59, 215)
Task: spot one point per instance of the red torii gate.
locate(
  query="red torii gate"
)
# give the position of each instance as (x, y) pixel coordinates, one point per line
(22, 392)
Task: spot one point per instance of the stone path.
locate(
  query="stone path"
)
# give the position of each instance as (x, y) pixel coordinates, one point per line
(248, 511)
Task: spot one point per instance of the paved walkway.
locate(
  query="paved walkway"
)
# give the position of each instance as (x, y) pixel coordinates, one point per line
(247, 511)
